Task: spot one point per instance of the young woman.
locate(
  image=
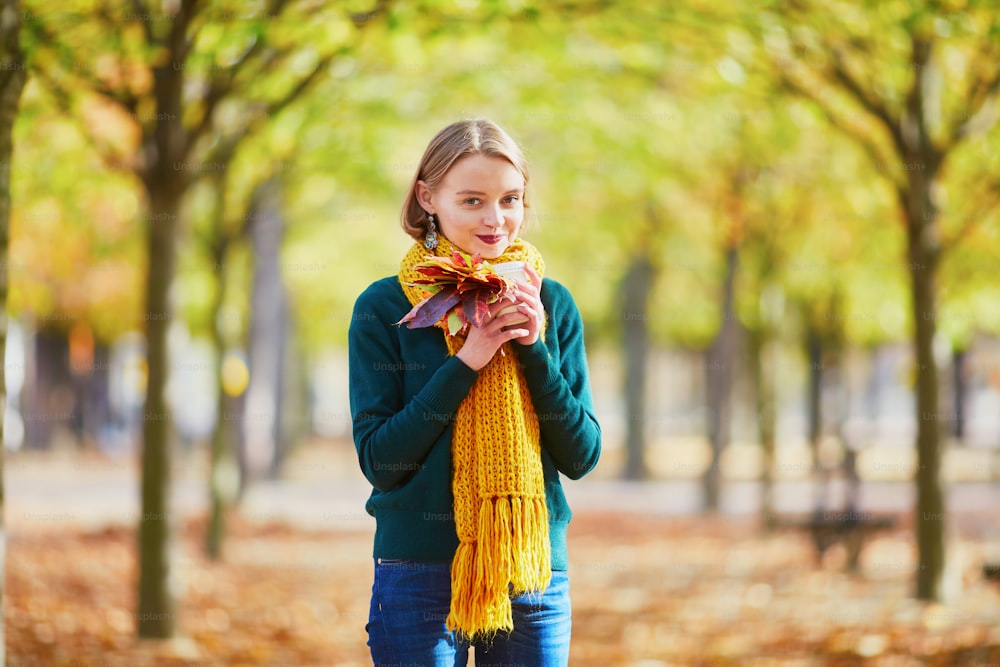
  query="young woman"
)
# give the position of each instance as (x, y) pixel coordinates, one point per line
(464, 437)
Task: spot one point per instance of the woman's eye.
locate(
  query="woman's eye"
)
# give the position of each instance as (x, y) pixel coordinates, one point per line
(511, 199)
(472, 201)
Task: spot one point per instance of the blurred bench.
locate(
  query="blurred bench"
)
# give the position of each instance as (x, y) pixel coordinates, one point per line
(849, 527)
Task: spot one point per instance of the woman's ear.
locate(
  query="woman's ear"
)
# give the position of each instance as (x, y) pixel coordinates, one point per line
(424, 197)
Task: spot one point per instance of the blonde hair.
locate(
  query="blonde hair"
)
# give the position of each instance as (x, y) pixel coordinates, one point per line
(476, 136)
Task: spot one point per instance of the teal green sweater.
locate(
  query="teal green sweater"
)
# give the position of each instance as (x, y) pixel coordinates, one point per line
(405, 390)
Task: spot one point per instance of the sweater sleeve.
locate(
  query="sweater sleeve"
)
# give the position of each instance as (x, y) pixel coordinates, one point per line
(560, 390)
(393, 439)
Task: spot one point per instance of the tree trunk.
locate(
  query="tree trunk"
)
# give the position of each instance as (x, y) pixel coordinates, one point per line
(814, 404)
(155, 606)
(164, 179)
(636, 289)
(221, 464)
(296, 420)
(930, 493)
(923, 251)
(11, 84)
(960, 383)
(266, 350)
(762, 371)
(874, 387)
(216, 471)
(283, 330)
(223, 481)
(49, 400)
(814, 412)
(718, 381)
(96, 399)
(930, 519)
(288, 402)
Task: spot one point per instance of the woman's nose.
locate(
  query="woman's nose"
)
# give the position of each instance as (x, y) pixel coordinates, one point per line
(494, 217)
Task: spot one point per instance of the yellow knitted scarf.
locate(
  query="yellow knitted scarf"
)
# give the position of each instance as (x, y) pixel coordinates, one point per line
(497, 479)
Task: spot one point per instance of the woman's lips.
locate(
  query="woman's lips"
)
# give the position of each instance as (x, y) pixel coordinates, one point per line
(491, 239)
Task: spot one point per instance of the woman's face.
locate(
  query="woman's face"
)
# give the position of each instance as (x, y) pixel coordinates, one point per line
(479, 204)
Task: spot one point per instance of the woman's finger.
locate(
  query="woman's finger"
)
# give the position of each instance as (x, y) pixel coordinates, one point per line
(533, 277)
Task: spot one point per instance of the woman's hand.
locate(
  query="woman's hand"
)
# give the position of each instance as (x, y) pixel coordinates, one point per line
(484, 341)
(529, 302)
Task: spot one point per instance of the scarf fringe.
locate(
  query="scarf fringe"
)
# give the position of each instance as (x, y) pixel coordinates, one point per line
(511, 556)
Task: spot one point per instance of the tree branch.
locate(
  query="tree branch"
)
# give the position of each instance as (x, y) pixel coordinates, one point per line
(141, 12)
(984, 96)
(867, 144)
(360, 20)
(300, 88)
(64, 102)
(125, 99)
(275, 7)
(984, 89)
(225, 150)
(221, 87)
(869, 102)
(972, 220)
(177, 40)
(216, 92)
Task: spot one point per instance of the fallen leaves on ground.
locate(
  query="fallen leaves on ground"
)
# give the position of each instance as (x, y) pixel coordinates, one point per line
(647, 592)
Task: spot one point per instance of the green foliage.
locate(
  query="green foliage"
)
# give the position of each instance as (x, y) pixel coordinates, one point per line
(658, 130)
(76, 245)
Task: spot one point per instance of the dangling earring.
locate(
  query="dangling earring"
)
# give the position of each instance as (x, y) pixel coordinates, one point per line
(431, 239)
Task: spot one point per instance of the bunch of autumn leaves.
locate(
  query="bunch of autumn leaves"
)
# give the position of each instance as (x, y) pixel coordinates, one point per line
(462, 288)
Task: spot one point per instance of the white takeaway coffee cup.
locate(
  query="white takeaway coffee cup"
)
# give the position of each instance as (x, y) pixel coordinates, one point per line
(516, 271)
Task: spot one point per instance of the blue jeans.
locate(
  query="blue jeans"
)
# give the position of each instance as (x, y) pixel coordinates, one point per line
(410, 602)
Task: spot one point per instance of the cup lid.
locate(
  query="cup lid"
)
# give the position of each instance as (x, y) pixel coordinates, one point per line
(504, 268)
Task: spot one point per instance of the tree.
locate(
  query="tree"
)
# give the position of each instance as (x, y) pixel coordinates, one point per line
(12, 75)
(799, 237)
(637, 286)
(260, 141)
(162, 71)
(901, 100)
